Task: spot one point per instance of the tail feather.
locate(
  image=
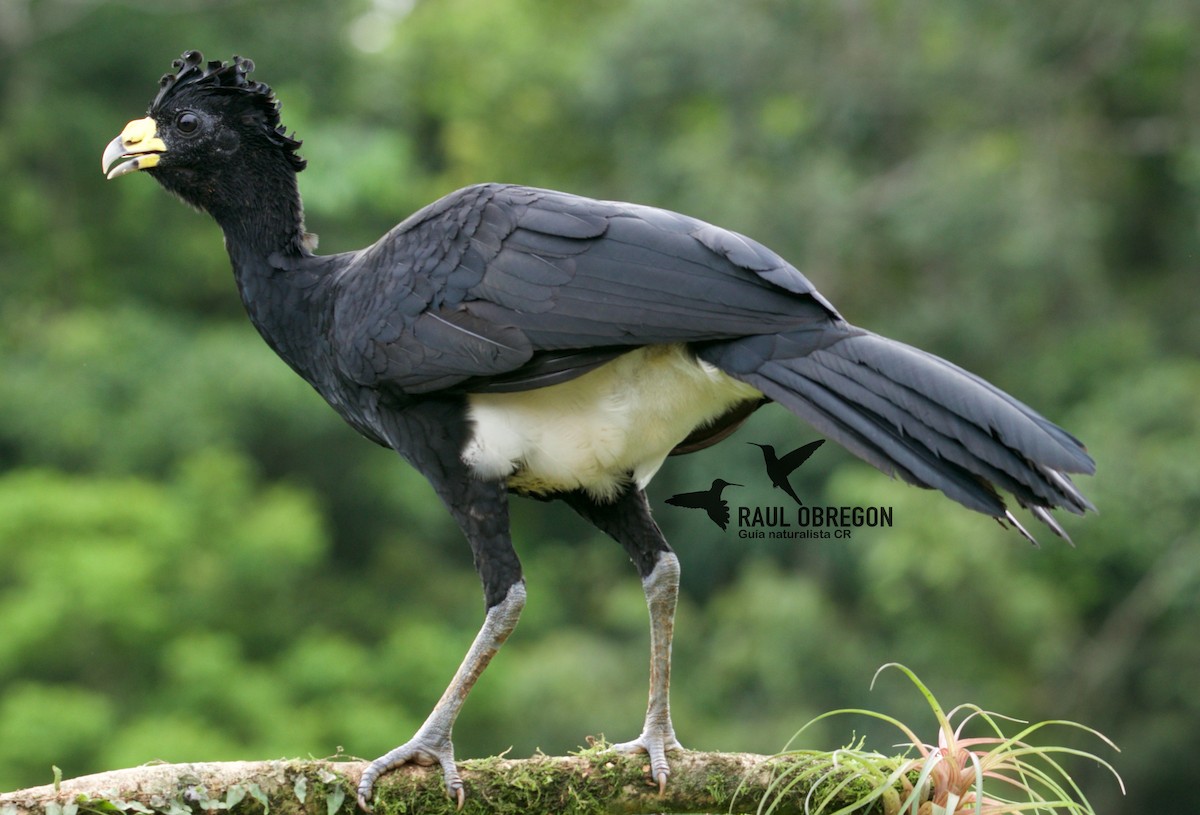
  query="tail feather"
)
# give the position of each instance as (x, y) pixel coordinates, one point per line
(916, 416)
(964, 421)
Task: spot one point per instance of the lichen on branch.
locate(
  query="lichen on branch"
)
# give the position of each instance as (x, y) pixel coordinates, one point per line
(590, 782)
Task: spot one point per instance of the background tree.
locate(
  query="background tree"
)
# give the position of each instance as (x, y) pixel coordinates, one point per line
(198, 562)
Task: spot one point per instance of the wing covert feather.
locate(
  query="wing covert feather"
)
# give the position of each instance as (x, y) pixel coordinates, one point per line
(478, 283)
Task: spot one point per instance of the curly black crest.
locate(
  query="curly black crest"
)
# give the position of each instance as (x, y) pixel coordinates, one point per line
(193, 73)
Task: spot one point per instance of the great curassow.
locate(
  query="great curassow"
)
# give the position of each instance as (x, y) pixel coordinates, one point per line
(506, 339)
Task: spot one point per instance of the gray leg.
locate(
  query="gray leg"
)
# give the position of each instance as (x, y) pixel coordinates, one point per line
(658, 735)
(627, 519)
(431, 744)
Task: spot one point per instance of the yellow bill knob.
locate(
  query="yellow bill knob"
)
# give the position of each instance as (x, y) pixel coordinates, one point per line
(138, 144)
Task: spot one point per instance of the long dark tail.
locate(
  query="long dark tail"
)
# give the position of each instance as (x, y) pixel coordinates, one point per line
(917, 416)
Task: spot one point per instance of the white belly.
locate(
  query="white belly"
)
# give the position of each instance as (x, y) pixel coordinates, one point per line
(598, 430)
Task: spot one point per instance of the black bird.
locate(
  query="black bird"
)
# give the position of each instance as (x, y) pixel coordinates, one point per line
(708, 500)
(778, 469)
(514, 340)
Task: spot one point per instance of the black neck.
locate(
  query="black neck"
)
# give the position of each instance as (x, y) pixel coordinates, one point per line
(277, 275)
(261, 213)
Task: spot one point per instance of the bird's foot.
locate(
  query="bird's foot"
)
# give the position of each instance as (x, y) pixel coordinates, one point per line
(423, 749)
(655, 744)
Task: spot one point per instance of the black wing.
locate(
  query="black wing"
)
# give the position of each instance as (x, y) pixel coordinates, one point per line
(505, 288)
(794, 459)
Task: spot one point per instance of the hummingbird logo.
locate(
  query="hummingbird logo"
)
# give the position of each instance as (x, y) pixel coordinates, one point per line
(779, 469)
(708, 500)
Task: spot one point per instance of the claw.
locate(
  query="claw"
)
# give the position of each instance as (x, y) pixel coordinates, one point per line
(662, 783)
(462, 798)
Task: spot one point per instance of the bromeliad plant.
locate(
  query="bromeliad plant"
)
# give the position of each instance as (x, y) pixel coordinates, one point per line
(985, 775)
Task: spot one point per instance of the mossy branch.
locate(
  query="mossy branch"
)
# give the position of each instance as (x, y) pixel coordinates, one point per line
(591, 782)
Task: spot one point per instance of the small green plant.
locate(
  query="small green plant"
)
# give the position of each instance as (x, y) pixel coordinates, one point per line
(988, 775)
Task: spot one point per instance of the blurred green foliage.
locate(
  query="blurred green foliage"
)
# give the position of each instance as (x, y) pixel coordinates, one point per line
(197, 561)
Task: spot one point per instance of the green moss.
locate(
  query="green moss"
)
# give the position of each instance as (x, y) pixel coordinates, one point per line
(585, 786)
(716, 785)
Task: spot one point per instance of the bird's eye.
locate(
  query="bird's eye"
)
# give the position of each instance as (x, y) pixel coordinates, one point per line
(187, 122)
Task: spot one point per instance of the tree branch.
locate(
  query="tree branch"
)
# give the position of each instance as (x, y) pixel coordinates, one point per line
(589, 783)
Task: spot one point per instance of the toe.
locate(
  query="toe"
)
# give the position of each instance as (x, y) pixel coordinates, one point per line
(655, 746)
(659, 769)
(454, 784)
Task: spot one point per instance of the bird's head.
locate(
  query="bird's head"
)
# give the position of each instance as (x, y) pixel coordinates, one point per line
(208, 129)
